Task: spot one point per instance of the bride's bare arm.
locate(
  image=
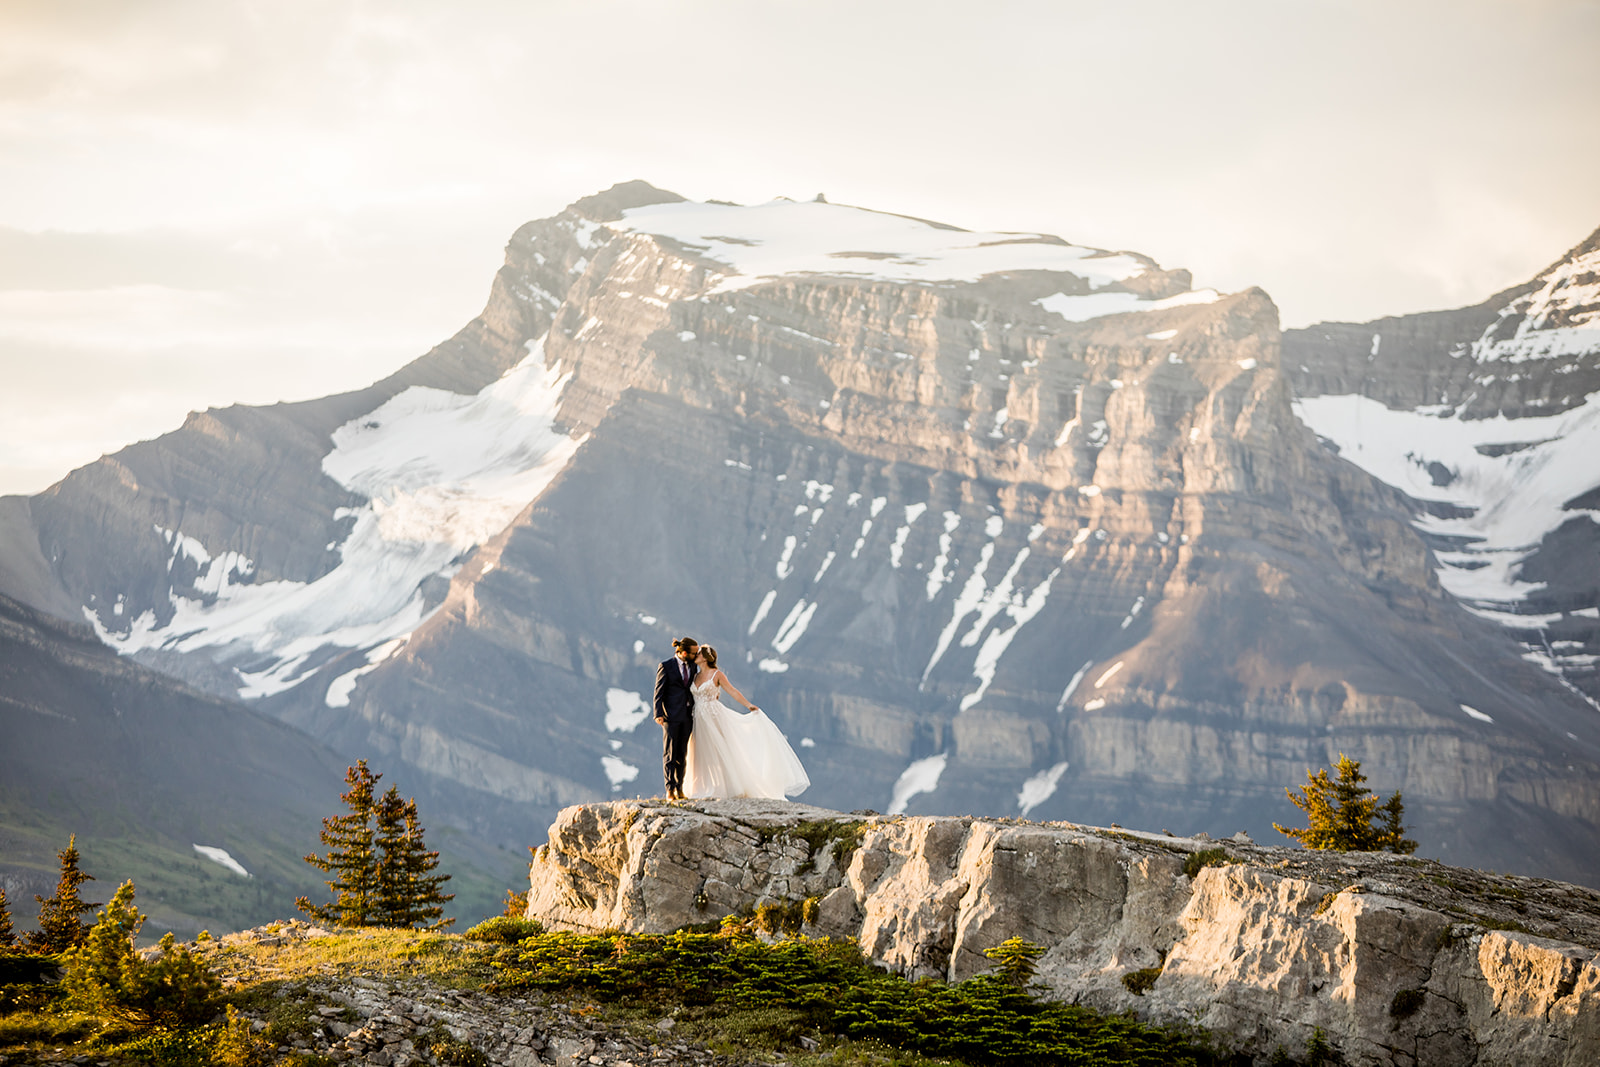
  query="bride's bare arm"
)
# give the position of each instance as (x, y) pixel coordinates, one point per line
(722, 680)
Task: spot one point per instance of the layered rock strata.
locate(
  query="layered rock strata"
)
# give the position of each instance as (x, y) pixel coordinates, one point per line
(1398, 961)
(986, 522)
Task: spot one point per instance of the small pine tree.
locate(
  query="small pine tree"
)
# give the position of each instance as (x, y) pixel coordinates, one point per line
(106, 976)
(1016, 960)
(94, 968)
(1341, 814)
(408, 890)
(1393, 838)
(8, 936)
(59, 925)
(351, 856)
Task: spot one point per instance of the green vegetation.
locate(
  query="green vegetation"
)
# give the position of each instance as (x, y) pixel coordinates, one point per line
(781, 990)
(1342, 814)
(60, 927)
(383, 873)
(845, 835)
(505, 929)
(1406, 1003)
(106, 977)
(1206, 857)
(1139, 982)
(8, 936)
(1016, 960)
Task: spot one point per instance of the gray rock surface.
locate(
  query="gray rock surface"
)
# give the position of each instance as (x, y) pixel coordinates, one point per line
(1398, 961)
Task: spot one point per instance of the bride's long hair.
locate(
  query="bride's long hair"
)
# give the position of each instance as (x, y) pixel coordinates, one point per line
(709, 654)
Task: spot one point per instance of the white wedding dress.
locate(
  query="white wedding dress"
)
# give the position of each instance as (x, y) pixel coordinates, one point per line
(738, 755)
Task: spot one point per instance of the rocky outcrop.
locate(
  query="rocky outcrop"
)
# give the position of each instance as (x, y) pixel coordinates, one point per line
(1398, 961)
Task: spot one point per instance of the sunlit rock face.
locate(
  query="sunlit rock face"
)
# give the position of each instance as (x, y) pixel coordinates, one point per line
(986, 522)
(1395, 961)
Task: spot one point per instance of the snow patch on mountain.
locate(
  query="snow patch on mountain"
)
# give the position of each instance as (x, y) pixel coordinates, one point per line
(921, 777)
(1039, 788)
(784, 237)
(339, 690)
(1507, 480)
(220, 856)
(1082, 307)
(442, 473)
(1560, 318)
(1508, 484)
(625, 710)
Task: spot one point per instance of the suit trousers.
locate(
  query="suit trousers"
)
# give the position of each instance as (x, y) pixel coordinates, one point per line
(675, 751)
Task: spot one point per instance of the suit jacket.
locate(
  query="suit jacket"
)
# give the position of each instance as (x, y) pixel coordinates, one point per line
(673, 701)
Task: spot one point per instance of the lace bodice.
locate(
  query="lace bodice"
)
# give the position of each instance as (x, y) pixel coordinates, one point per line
(706, 691)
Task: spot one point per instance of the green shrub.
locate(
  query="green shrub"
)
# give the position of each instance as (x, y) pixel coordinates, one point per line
(30, 1028)
(1318, 1052)
(1139, 982)
(105, 976)
(1016, 960)
(826, 986)
(505, 929)
(449, 1049)
(167, 1048)
(1406, 1003)
(788, 917)
(1206, 857)
(239, 1046)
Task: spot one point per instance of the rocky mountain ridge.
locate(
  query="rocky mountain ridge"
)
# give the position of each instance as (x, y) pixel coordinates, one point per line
(987, 522)
(1489, 419)
(1397, 961)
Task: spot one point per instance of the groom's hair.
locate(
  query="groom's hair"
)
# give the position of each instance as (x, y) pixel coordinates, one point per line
(685, 644)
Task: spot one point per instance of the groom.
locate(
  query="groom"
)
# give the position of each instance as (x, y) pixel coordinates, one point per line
(674, 710)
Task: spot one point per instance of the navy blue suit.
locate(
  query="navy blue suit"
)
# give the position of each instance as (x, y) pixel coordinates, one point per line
(674, 710)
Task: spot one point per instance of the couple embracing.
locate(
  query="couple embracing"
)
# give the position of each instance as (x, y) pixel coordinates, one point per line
(710, 750)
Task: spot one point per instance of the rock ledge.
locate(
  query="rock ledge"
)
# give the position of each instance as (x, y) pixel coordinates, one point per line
(1397, 960)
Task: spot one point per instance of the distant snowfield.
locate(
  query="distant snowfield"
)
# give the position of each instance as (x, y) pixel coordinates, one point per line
(1515, 498)
(921, 777)
(785, 237)
(1085, 306)
(220, 855)
(442, 473)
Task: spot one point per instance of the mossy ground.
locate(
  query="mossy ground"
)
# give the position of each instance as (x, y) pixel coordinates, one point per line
(812, 1003)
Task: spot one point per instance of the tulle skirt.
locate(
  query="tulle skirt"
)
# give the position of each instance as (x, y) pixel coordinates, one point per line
(740, 755)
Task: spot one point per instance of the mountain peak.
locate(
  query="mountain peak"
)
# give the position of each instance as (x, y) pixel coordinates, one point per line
(609, 204)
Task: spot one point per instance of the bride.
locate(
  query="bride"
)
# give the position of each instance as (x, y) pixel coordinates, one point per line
(734, 755)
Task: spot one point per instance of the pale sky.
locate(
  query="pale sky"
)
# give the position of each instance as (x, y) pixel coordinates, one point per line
(205, 202)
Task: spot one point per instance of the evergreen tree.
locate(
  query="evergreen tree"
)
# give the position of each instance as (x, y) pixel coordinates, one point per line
(106, 975)
(59, 925)
(1341, 814)
(8, 936)
(351, 856)
(408, 890)
(94, 968)
(1393, 837)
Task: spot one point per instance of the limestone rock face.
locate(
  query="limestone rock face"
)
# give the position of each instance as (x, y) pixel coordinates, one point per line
(986, 523)
(1397, 961)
